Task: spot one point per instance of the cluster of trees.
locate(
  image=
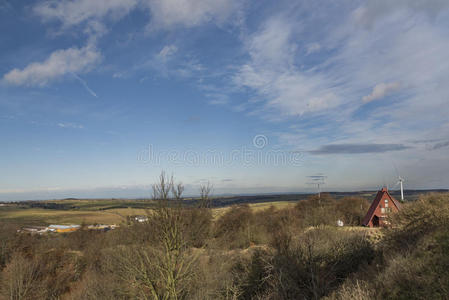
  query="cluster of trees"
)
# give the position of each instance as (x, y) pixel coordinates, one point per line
(185, 253)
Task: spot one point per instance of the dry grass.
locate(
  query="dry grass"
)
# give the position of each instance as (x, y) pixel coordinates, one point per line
(218, 212)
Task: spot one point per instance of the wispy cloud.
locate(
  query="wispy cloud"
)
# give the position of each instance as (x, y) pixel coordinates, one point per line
(217, 99)
(84, 83)
(168, 63)
(168, 14)
(71, 13)
(272, 73)
(165, 14)
(440, 145)
(58, 64)
(167, 52)
(381, 90)
(312, 48)
(358, 148)
(70, 125)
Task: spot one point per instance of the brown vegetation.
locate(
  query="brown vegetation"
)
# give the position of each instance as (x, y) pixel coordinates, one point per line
(183, 253)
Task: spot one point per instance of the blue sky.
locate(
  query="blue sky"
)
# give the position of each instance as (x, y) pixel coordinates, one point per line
(97, 97)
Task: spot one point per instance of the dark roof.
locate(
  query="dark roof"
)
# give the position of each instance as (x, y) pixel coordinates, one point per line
(375, 203)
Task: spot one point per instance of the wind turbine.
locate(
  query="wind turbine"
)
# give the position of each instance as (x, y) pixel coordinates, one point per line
(400, 182)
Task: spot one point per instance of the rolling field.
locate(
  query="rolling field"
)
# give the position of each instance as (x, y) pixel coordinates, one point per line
(39, 216)
(93, 212)
(115, 211)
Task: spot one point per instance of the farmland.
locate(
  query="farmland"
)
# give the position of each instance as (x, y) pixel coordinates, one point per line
(116, 211)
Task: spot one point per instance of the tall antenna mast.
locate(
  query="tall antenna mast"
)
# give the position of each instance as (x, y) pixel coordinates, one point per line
(318, 180)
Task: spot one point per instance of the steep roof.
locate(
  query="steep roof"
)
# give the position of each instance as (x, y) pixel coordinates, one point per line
(372, 208)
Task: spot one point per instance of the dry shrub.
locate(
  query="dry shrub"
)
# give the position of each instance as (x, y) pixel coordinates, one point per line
(233, 229)
(7, 236)
(20, 279)
(352, 210)
(413, 260)
(354, 290)
(276, 227)
(417, 220)
(310, 268)
(152, 273)
(416, 251)
(216, 274)
(196, 226)
(45, 276)
(317, 211)
(98, 285)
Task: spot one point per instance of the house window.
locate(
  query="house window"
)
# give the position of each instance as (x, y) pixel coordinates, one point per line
(382, 210)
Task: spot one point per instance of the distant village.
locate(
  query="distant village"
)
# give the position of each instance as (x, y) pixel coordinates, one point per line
(65, 228)
(75, 227)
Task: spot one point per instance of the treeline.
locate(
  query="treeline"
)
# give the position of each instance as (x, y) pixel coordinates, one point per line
(187, 253)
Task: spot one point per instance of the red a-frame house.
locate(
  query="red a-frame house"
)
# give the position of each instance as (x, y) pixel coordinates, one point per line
(382, 206)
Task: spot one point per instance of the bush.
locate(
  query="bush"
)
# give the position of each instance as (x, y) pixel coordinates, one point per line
(416, 251)
(196, 226)
(352, 210)
(309, 269)
(317, 210)
(413, 261)
(417, 220)
(233, 229)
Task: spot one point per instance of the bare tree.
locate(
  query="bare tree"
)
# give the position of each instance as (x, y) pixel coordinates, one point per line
(163, 270)
(177, 191)
(162, 189)
(20, 278)
(205, 193)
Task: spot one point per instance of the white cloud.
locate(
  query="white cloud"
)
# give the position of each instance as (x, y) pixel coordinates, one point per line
(312, 48)
(381, 90)
(188, 13)
(402, 51)
(374, 11)
(167, 52)
(167, 64)
(272, 73)
(217, 99)
(58, 64)
(70, 125)
(71, 13)
(165, 14)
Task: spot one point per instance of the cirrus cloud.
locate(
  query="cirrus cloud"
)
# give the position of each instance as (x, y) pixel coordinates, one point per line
(189, 13)
(71, 13)
(381, 90)
(358, 148)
